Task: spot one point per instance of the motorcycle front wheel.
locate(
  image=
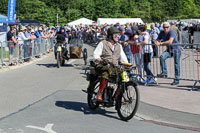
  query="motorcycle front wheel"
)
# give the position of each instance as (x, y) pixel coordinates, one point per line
(58, 59)
(128, 101)
(85, 56)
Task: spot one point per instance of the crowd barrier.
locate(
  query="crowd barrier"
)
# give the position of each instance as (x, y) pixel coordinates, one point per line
(189, 63)
(186, 37)
(24, 50)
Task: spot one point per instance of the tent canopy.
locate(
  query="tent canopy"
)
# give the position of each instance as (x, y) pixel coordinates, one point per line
(30, 22)
(3, 19)
(122, 21)
(83, 21)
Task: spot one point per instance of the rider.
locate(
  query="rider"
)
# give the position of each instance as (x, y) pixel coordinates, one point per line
(111, 51)
(62, 39)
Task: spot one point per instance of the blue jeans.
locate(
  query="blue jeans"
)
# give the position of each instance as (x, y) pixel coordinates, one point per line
(147, 67)
(177, 56)
(130, 60)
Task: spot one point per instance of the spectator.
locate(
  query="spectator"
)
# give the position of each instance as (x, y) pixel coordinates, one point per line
(39, 33)
(148, 53)
(134, 27)
(27, 44)
(32, 42)
(135, 49)
(22, 38)
(12, 43)
(168, 37)
(126, 47)
(176, 30)
(128, 27)
(192, 30)
(43, 27)
(51, 33)
(154, 32)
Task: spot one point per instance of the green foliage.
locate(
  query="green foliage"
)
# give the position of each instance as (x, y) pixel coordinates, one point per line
(4, 7)
(149, 10)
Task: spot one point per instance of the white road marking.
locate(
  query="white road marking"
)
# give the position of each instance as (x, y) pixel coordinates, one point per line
(47, 128)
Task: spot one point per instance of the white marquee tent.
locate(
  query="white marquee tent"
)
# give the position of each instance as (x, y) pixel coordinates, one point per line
(83, 21)
(122, 21)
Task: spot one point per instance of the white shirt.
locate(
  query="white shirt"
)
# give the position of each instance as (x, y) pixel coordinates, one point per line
(148, 47)
(21, 38)
(98, 52)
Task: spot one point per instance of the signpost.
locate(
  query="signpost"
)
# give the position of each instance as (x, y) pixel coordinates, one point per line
(57, 19)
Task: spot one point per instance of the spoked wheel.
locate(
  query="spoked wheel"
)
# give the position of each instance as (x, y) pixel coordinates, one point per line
(58, 59)
(128, 101)
(85, 56)
(62, 60)
(92, 93)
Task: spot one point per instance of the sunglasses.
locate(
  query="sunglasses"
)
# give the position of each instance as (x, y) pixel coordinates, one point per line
(165, 27)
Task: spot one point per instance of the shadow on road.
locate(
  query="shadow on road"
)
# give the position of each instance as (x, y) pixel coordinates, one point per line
(196, 88)
(55, 65)
(168, 86)
(82, 107)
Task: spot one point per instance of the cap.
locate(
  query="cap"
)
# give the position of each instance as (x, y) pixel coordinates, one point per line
(40, 29)
(112, 30)
(118, 23)
(121, 29)
(23, 28)
(129, 32)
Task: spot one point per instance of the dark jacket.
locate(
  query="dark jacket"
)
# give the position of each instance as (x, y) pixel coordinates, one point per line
(60, 37)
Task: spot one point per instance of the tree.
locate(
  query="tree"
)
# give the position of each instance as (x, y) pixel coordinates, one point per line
(4, 7)
(187, 9)
(87, 9)
(72, 14)
(158, 12)
(142, 9)
(149, 10)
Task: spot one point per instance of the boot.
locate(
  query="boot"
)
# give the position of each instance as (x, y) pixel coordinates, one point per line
(66, 54)
(103, 83)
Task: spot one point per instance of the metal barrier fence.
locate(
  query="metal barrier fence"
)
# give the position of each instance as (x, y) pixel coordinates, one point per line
(189, 63)
(24, 50)
(186, 37)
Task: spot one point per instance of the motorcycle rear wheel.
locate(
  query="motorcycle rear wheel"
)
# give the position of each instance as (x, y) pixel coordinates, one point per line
(92, 93)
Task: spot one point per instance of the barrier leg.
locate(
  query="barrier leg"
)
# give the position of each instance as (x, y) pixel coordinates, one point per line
(193, 87)
(1, 54)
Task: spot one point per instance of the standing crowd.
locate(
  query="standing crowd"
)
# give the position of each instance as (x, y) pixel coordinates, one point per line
(139, 42)
(26, 37)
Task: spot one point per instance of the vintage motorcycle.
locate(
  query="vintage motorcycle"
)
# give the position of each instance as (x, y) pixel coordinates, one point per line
(120, 91)
(61, 55)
